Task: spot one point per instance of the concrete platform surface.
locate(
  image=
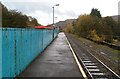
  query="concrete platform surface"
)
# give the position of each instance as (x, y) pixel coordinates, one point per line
(56, 61)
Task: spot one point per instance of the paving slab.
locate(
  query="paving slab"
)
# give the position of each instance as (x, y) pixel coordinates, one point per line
(56, 61)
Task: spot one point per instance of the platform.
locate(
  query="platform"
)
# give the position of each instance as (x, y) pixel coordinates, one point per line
(56, 61)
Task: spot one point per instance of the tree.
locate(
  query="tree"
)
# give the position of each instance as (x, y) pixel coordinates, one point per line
(69, 28)
(13, 18)
(84, 24)
(5, 16)
(118, 28)
(32, 21)
(17, 19)
(95, 12)
(112, 23)
(92, 27)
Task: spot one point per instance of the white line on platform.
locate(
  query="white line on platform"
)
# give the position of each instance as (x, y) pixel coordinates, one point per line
(79, 65)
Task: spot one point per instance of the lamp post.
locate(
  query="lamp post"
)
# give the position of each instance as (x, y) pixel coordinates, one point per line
(53, 12)
(53, 18)
(57, 27)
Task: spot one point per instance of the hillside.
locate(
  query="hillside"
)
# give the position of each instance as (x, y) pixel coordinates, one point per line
(64, 23)
(116, 17)
(68, 21)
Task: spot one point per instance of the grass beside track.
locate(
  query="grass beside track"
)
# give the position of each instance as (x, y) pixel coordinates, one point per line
(111, 53)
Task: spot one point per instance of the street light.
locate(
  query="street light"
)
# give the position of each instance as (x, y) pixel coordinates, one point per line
(53, 18)
(53, 12)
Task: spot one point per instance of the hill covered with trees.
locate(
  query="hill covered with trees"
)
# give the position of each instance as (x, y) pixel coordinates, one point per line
(95, 27)
(15, 19)
(116, 17)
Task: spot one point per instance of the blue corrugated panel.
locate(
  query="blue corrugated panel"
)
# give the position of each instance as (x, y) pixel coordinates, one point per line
(20, 47)
(0, 53)
(6, 54)
(56, 33)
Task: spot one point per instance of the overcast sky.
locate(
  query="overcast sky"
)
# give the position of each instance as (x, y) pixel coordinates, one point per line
(68, 9)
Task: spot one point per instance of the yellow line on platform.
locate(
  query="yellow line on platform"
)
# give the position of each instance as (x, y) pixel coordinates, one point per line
(79, 65)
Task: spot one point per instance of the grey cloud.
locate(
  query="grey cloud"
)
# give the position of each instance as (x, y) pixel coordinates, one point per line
(118, 18)
(29, 7)
(71, 13)
(67, 12)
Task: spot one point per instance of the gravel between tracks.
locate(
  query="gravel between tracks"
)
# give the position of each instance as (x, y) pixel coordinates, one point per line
(114, 66)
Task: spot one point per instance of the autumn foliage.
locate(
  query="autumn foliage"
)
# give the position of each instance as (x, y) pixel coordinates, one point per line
(14, 18)
(93, 27)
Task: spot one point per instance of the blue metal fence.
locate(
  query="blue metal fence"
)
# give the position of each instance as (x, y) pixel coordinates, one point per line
(20, 47)
(0, 54)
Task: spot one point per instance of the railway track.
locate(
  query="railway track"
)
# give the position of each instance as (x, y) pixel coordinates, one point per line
(94, 68)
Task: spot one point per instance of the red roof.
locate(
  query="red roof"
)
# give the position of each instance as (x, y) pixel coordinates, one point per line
(43, 27)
